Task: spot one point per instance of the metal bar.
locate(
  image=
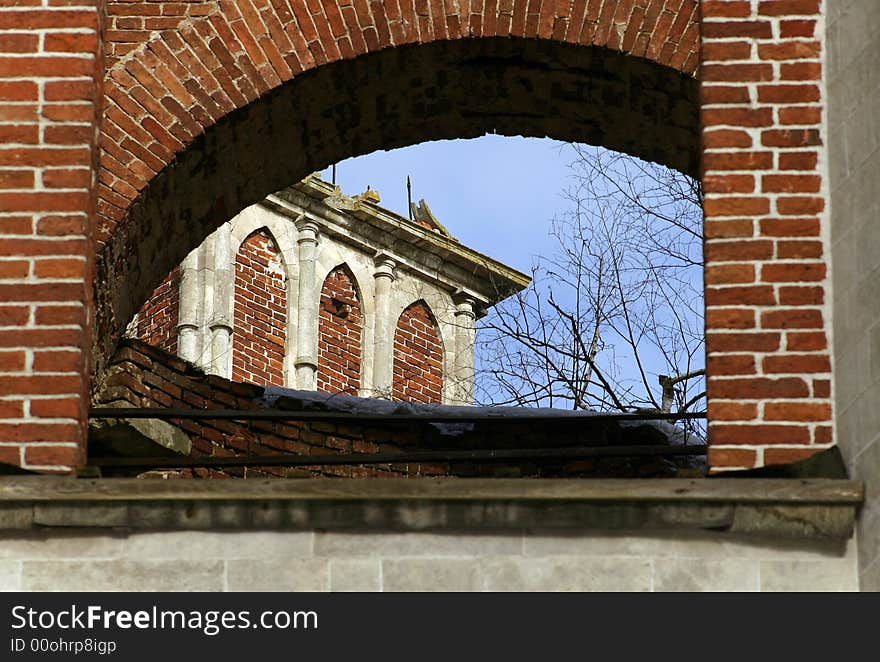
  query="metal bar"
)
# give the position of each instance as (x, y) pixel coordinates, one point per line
(400, 458)
(304, 415)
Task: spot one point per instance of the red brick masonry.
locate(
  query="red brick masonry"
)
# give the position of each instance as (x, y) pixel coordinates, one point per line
(260, 311)
(205, 75)
(145, 376)
(418, 356)
(340, 334)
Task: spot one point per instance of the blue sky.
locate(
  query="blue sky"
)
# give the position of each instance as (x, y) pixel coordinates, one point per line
(495, 194)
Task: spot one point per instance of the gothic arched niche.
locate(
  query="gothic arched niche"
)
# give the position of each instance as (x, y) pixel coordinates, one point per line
(340, 333)
(418, 356)
(260, 312)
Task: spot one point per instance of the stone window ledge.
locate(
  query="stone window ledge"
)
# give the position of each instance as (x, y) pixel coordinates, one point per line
(785, 508)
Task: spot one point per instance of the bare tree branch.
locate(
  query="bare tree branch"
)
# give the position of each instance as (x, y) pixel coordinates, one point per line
(617, 309)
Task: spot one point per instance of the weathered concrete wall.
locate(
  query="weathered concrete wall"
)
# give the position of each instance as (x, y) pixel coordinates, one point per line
(322, 561)
(854, 163)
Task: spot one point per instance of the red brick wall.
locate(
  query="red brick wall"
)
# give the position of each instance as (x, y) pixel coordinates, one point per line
(340, 333)
(769, 385)
(763, 150)
(132, 24)
(158, 317)
(50, 100)
(143, 376)
(418, 356)
(260, 327)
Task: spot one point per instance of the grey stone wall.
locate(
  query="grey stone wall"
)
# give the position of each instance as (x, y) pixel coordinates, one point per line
(325, 561)
(853, 53)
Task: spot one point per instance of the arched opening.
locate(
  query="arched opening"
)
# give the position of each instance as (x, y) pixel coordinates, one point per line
(340, 333)
(392, 98)
(260, 311)
(418, 356)
(644, 104)
(751, 130)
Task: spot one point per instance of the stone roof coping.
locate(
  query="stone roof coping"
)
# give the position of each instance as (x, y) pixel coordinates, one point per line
(506, 280)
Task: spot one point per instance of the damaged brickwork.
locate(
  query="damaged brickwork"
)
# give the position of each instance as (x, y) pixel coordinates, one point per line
(156, 321)
(145, 376)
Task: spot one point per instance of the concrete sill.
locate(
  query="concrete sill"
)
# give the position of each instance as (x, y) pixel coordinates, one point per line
(785, 508)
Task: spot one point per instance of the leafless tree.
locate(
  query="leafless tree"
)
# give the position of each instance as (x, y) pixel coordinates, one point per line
(613, 320)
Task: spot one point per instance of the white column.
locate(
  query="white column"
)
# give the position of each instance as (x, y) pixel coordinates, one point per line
(189, 346)
(383, 332)
(291, 293)
(220, 326)
(465, 332)
(307, 308)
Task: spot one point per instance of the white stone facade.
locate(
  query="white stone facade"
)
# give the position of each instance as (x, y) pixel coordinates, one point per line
(395, 262)
(578, 560)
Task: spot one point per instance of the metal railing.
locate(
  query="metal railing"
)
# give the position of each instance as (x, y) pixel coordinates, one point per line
(401, 457)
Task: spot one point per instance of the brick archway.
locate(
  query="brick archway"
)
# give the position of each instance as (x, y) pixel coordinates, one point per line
(169, 81)
(210, 115)
(201, 117)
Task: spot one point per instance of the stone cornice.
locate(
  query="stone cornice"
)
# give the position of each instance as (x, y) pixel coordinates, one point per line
(782, 508)
(432, 256)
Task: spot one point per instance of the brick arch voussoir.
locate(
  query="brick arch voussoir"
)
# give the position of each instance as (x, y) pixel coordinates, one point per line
(165, 93)
(195, 114)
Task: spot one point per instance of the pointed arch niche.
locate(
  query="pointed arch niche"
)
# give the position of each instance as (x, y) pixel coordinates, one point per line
(340, 333)
(418, 356)
(260, 311)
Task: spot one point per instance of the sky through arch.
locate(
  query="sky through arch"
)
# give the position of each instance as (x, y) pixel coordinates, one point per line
(501, 196)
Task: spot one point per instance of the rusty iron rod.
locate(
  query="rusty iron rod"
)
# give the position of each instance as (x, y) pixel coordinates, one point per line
(293, 415)
(400, 458)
